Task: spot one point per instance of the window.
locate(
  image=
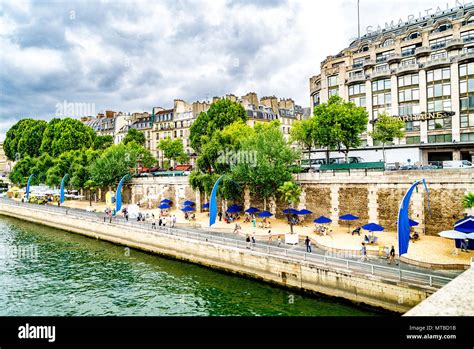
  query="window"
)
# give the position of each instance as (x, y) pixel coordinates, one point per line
(359, 62)
(381, 68)
(364, 48)
(410, 50)
(438, 74)
(468, 21)
(381, 85)
(408, 80)
(440, 124)
(440, 42)
(412, 36)
(383, 56)
(467, 137)
(445, 138)
(467, 120)
(316, 99)
(442, 28)
(438, 55)
(359, 101)
(356, 89)
(408, 109)
(333, 80)
(388, 42)
(333, 92)
(467, 36)
(382, 99)
(408, 62)
(407, 95)
(413, 140)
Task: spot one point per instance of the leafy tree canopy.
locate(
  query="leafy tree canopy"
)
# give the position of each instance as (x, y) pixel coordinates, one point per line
(134, 135)
(24, 139)
(173, 150)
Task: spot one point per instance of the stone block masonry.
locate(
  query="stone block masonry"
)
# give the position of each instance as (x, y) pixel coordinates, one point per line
(286, 272)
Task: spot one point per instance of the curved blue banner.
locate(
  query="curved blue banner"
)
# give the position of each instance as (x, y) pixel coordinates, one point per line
(61, 191)
(403, 220)
(28, 187)
(118, 195)
(213, 203)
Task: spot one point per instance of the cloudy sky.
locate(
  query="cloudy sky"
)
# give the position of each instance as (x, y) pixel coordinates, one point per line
(133, 55)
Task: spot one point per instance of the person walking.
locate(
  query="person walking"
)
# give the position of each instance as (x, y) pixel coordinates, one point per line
(307, 242)
(465, 245)
(363, 251)
(220, 215)
(153, 222)
(279, 241)
(254, 223)
(173, 221)
(247, 239)
(164, 221)
(253, 239)
(392, 256)
(269, 236)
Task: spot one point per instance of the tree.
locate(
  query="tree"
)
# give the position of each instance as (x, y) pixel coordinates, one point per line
(24, 139)
(117, 161)
(268, 158)
(338, 125)
(290, 193)
(173, 150)
(23, 170)
(468, 201)
(386, 129)
(92, 187)
(103, 142)
(303, 132)
(221, 114)
(134, 135)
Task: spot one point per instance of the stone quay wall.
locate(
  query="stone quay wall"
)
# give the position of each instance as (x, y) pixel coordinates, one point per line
(286, 272)
(372, 196)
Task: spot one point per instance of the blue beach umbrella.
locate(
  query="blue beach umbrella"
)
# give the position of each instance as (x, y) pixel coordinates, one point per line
(188, 209)
(412, 223)
(349, 218)
(322, 220)
(373, 227)
(304, 212)
(205, 205)
(189, 203)
(290, 211)
(235, 206)
(166, 201)
(234, 209)
(164, 206)
(252, 210)
(465, 225)
(265, 214)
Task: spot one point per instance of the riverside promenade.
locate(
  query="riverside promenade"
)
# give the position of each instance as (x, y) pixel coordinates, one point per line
(370, 282)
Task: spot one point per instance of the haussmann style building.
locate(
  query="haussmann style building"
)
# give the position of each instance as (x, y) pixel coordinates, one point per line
(421, 72)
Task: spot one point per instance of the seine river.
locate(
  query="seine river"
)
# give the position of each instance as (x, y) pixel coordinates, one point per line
(47, 272)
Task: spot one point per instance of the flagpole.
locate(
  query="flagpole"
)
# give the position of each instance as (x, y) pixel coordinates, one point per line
(358, 19)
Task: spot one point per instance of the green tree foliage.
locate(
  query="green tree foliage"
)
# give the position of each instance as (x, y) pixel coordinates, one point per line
(338, 125)
(468, 200)
(270, 157)
(386, 129)
(134, 135)
(103, 142)
(290, 193)
(119, 160)
(22, 170)
(173, 150)
(221, 114)
(24, 139)
(303, 132)
(63, 135)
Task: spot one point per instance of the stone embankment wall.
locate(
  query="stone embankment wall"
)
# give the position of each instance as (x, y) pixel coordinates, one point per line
(287, 272)
(373, 196)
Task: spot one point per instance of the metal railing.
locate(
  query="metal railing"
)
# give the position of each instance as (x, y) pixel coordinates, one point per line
(329, 262)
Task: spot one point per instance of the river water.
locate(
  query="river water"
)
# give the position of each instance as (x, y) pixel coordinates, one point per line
(48, 272)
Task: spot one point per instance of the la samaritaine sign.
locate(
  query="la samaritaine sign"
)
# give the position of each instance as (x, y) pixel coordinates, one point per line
(426, 116)
(411, 18)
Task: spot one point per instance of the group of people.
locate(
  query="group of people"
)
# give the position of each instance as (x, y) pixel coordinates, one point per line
(322, 230)
(189, 217)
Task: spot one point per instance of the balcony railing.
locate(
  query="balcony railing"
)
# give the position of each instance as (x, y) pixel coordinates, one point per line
(454, 44)
(422, 51)
(381, 73)
(356, 78)
(411, 67)
(438, 61)
(394, 58)
(369, 63)
(466, 56)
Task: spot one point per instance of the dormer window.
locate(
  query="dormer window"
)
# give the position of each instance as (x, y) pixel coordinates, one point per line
(413, 36)
(468, 21)
(442, 28)
(388, 42)
(364, 48)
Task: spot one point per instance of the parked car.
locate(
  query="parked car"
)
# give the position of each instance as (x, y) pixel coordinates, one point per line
(457, 164)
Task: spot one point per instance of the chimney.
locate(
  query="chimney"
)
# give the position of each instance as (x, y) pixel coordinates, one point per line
(270, 102)
(251, 98)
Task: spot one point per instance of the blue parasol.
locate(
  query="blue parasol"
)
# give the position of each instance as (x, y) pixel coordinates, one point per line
(322, 220)
(252, 210)
(265, 214)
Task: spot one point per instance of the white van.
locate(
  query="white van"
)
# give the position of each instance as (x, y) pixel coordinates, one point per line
(457, 164)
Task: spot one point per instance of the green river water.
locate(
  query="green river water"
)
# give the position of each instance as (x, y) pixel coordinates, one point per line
(48, 272)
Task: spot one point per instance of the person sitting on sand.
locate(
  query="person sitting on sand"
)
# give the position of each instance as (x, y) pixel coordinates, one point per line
(415, 236)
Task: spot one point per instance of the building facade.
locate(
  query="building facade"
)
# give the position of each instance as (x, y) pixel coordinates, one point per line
(421, 72)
